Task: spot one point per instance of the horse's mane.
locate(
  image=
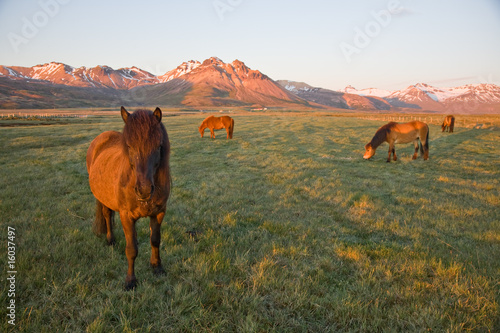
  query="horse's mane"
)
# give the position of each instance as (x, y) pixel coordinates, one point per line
(381, 135)
(205, 121)
(143, 128)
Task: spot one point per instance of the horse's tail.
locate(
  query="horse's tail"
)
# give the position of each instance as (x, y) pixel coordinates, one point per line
(425, 150)
(99, 226)
(231, 128)
(452, 125)
(424, 147)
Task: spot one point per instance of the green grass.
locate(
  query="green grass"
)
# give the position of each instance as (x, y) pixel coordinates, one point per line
(284, 228)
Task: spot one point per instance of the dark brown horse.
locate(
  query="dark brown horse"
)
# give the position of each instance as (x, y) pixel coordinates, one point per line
(129, 173)
(217, 123)
(448, 123)
(393, 133)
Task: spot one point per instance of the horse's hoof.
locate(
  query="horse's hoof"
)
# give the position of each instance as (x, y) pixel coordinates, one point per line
(130, 283)
(158, 270)
(388, 161)
(111, 242)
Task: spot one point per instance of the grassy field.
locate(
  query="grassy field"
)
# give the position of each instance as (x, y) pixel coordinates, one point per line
(285, 228)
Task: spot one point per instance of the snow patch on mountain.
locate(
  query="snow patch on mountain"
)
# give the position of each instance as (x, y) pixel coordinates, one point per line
(371, 92)
(183, 69)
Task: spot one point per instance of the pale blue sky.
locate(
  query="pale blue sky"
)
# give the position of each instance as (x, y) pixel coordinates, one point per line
(325, 43)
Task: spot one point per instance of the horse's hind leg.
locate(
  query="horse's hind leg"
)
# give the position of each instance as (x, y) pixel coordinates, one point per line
(154, 226)
(426, 151)
(109, 216)
(424, 147)
(228, 129)
(103, 222)
(415, 155)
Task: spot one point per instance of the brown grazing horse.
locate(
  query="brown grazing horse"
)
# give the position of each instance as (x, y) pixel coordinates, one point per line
(129, 173)
(393, 133)
(217, 123)
(448, 123)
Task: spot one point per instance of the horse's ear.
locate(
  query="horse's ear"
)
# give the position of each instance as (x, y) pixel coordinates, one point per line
(157, 114)
(125, 114)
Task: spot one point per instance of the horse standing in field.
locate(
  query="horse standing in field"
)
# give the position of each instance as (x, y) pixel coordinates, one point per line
(448, 124)
(217, 123)
(393, 133)
(129, 173)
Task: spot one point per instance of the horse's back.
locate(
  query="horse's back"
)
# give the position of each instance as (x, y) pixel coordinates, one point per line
(407, 132)
(218, 122)
(414, 125)
(105, 140)
(422, 127)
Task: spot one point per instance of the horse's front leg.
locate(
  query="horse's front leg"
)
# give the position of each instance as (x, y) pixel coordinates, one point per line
(212, 133)
(130, 249)
(154, 226)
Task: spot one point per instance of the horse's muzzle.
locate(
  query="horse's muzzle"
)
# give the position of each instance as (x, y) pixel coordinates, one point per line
(144, 193)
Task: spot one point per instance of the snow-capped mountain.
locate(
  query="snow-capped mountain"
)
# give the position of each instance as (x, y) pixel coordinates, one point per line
(426, 97)
(336, 99)
(487, 93)
(215, 83)
(95, 77)
(373, 92)
(192, 83)
(184, 68)
(294, 87)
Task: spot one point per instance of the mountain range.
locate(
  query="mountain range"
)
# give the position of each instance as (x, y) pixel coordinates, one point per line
(467, 99)
(213, 83)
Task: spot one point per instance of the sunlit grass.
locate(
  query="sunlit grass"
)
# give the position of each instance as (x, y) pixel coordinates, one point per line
(284, 228)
